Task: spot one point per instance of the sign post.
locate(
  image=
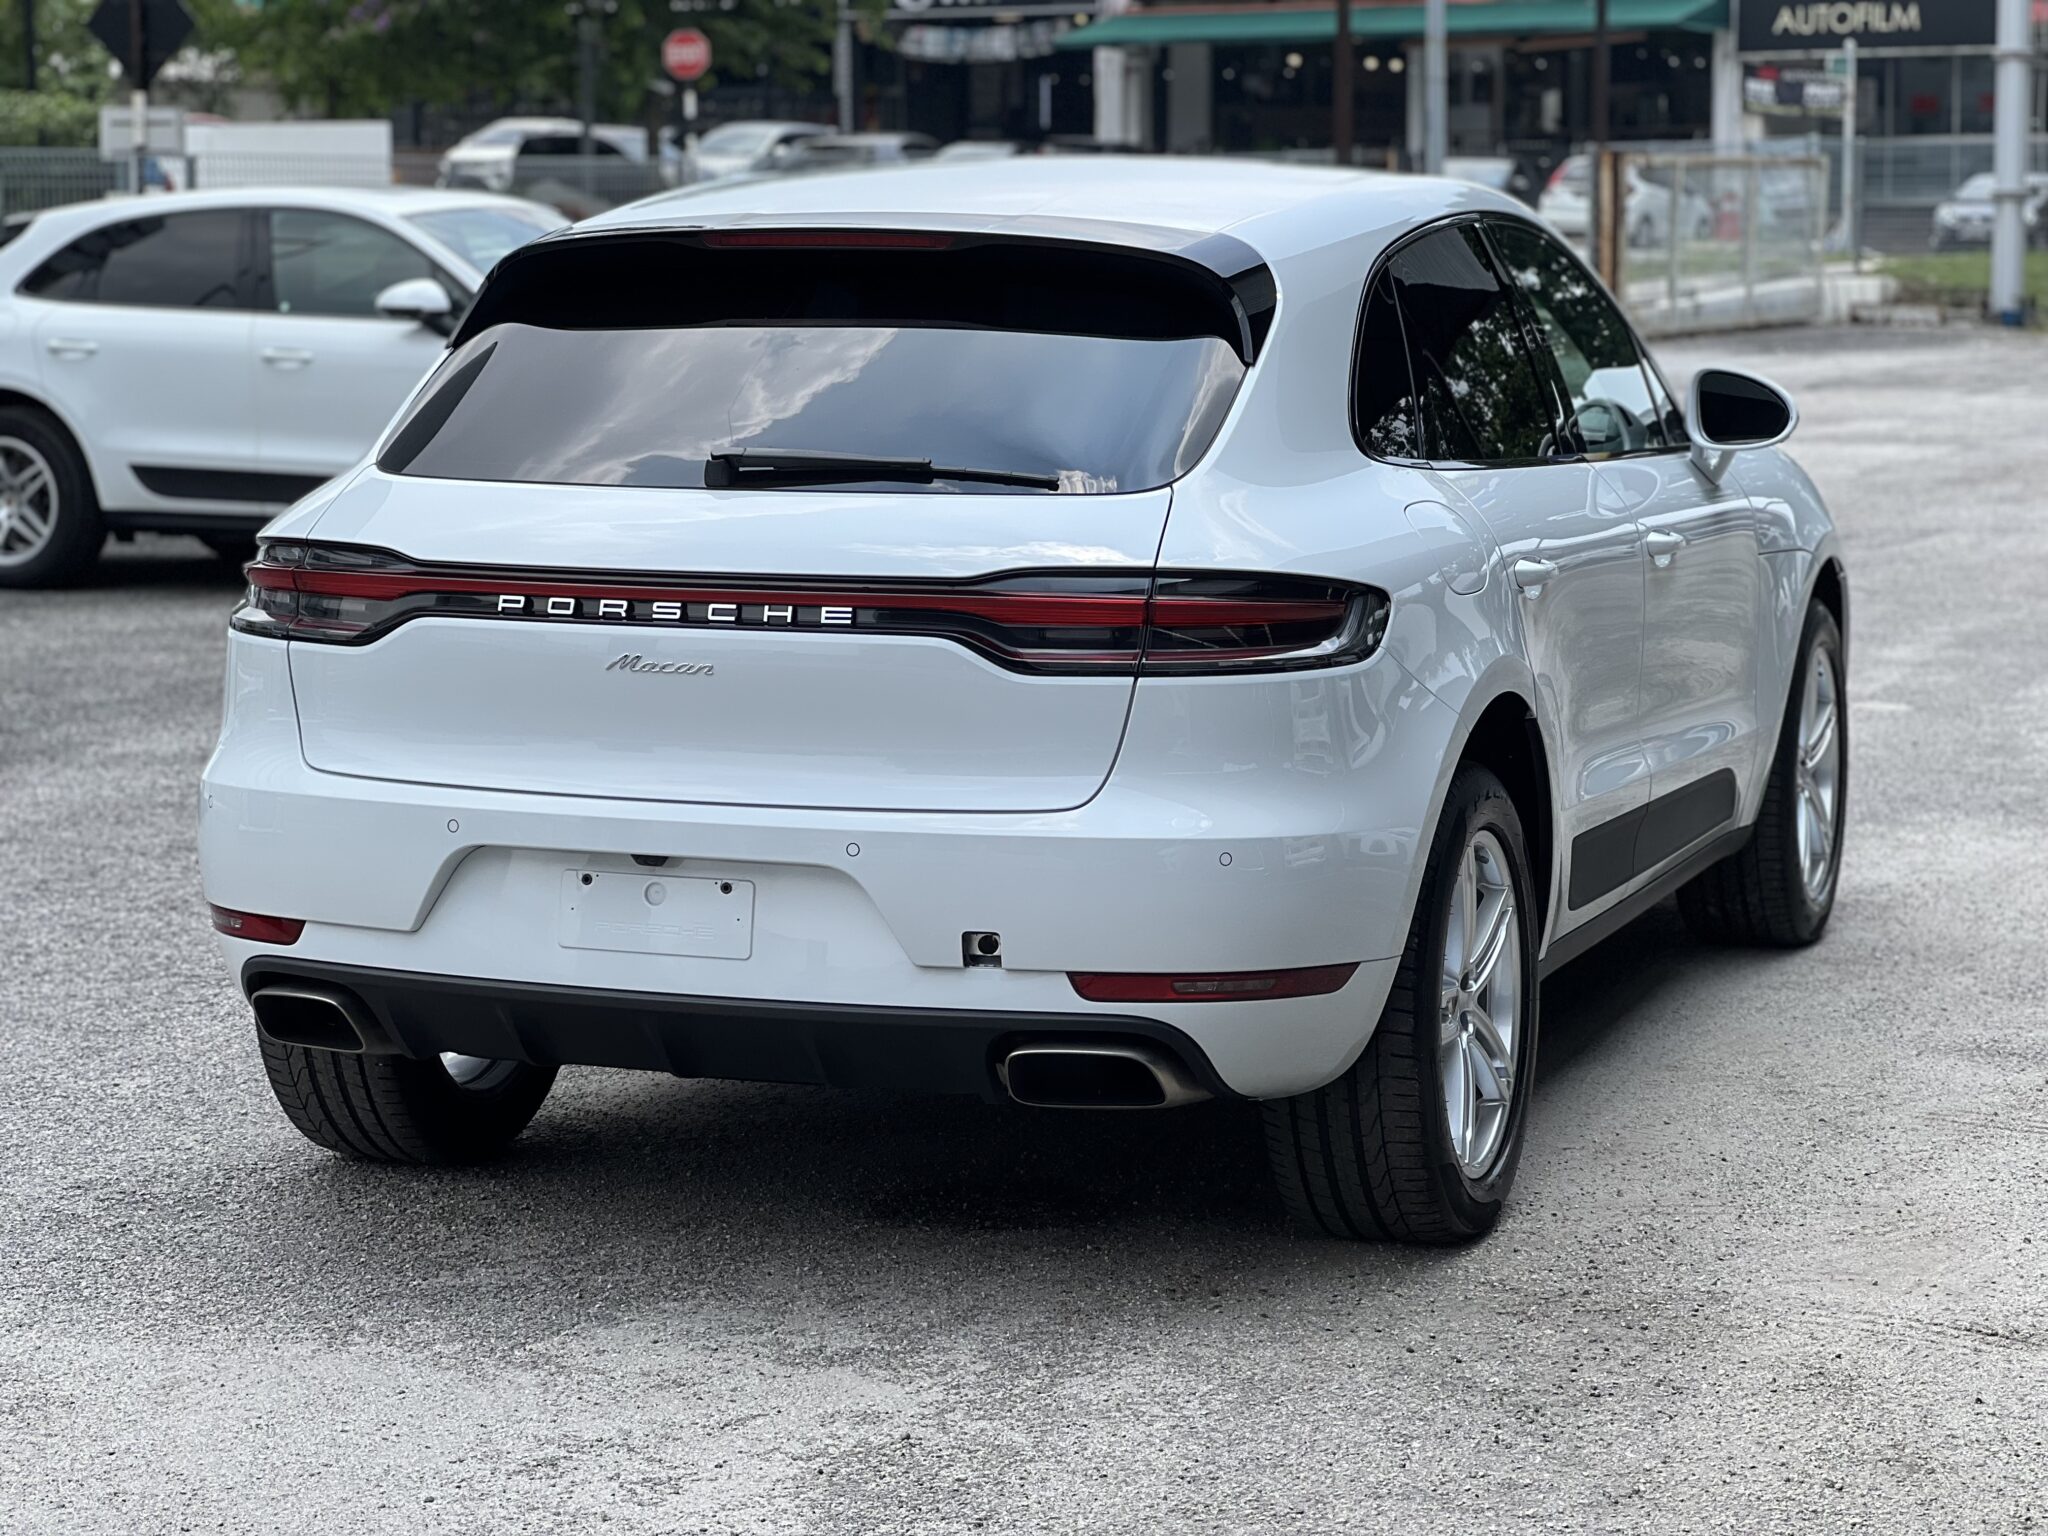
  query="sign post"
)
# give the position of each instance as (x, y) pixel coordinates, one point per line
(142, 34)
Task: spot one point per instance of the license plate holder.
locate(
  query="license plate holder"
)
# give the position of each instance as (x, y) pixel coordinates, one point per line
(647, 912)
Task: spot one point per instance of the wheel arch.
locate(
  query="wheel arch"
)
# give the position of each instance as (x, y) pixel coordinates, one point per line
(1506, 739)
(21, 399)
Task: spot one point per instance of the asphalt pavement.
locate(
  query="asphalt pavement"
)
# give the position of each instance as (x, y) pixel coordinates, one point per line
(1777, 1259)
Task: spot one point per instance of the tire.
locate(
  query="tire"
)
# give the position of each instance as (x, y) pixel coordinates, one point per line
(34, 448)
(1372, 1155)
(234, 548)
(391, 1109)
(1762, 894)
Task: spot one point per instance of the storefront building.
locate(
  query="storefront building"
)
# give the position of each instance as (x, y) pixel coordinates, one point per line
(1924, 92)
(976, 69)
(1254, 77)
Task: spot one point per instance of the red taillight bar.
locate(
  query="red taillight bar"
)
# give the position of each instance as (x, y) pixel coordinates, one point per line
(1037, 610)
(257, 928)
(1083, 621)
(1049, 610)
(1214, 987)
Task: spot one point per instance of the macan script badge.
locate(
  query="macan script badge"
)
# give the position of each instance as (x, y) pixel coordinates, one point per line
(630, 663)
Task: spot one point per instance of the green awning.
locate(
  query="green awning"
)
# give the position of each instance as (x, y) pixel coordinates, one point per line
(1284, 23)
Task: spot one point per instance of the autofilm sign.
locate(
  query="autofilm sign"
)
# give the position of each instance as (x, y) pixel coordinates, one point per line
(1794, 26)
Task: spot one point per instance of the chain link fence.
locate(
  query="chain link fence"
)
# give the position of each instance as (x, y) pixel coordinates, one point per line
(1723, 241)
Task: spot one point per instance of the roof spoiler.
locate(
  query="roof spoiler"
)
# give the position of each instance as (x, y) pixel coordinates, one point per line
(1062, 276)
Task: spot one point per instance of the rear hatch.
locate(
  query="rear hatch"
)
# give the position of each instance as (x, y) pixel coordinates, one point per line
(824, 527)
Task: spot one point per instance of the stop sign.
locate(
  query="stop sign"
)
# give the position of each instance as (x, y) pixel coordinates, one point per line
(686, 54)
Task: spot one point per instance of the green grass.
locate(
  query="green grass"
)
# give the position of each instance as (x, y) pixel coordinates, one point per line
(1960, 277)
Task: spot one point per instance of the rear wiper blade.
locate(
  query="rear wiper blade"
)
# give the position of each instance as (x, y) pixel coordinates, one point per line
(803, 466)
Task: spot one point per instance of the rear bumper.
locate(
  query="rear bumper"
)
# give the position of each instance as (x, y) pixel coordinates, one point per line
(1247, 826)
(910, 1050)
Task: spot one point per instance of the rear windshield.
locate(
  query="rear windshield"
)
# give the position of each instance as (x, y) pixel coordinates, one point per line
(650, 407)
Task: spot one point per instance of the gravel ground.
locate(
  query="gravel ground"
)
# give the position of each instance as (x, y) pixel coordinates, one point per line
(1775, 1261)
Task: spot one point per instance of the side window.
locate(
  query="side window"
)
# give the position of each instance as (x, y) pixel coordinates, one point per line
(175, 261)
(1483, 400)
(1614, 407)
(330, 264)
(1383, 406)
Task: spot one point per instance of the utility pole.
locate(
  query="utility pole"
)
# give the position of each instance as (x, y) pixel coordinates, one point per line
(1436, 88)
(1852, 178)
(1343, 67)
(842, 67)
(2009, 234)
(1603, 192)
(28, 43)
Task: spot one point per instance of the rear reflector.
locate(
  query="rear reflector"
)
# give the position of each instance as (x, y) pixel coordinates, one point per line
(1071, 623)
(257, 928)
(1219, 987)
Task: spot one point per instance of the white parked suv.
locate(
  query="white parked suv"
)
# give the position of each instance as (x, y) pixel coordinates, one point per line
(1225, 638)
(197, 361)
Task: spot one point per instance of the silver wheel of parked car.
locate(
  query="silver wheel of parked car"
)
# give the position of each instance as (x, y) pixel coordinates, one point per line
(28, 502)
(1479, 1022)
(1819, 773)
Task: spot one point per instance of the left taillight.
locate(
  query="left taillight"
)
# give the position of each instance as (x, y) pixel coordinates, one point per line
(336, 594)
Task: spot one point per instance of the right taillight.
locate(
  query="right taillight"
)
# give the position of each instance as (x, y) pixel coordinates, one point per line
(1259, 624)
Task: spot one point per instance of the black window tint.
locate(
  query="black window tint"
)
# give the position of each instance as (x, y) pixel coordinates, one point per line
(329, 264)
(1383, 389)
(177, 261)
(649, 407)
(1613, 407)
(1482, 399)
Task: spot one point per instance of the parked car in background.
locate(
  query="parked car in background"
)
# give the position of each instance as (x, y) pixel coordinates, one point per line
(1968, 216)
(1649, 206)
(194, 362)
(1499, 173)
(733, 149)
(827, 151)
(1105, 632)
(488, 159)
(980, 149)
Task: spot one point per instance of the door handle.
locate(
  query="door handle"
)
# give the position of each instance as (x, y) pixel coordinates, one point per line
(64, 346)
(1662, 545)
(1530, 575)
(286, 357)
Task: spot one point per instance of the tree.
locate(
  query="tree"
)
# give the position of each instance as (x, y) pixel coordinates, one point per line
(371, 57)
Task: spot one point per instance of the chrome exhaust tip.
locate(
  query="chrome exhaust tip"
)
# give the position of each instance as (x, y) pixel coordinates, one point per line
(1098, 1075)
(300, 1013)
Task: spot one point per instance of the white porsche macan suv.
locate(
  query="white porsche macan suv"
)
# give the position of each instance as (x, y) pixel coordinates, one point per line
(1110, 633)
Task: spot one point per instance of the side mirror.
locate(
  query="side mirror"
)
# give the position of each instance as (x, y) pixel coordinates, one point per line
(419, 299)
(1730, 411)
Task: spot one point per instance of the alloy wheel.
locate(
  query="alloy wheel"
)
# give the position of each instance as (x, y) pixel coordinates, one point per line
(28, 502)
(1818, 774)
(1479, 1037)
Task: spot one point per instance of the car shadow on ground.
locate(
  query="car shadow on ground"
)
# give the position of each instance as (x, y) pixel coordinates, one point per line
(650, 1178)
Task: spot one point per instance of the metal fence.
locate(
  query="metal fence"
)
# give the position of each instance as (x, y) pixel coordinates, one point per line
(1724, 241)
(34, 179)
